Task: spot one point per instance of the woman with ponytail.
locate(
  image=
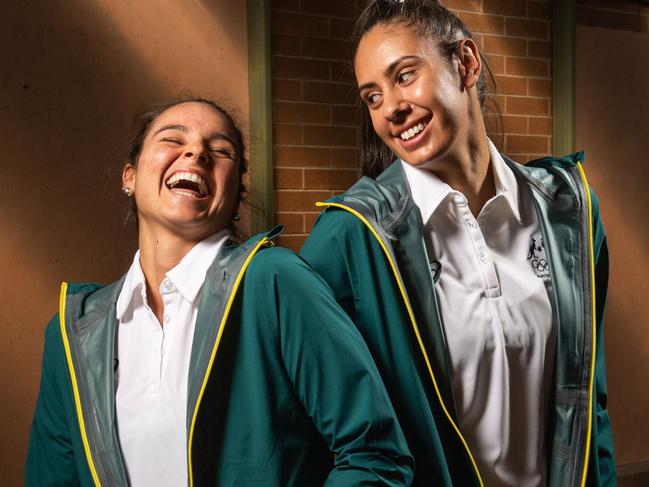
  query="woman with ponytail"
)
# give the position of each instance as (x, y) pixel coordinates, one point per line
(478, 283)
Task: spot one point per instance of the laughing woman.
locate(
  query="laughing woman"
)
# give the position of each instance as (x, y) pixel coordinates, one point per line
(208, 363)
(477, 283)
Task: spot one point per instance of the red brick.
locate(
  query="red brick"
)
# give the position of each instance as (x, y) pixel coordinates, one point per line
(497, 63)
(329, 178)
(302, 157)
(309, 221)
(287, 89)
(526, 143)
(521, 105)
(287, 134)
(286, 45)
(541, 125)
(293, 242)
(292, 23)
(473, 5)
(330, 136)
(514, 124)
(293, 222)
(511, 46)
(333, 8)
(340, 93)
(505, 7)
(490, 24)
(522, 158)
(540, 87)
(510, 123)
(326, 48)
(342, 71)
(343, 115)
(301, 112)
(346, 158)
(341, 28)
(299, 200)
(527, 67)
(289, 178)
(538, 10)
(510, 85)
(293, 5)
(542, 49)
(534, 29)
(299, 68)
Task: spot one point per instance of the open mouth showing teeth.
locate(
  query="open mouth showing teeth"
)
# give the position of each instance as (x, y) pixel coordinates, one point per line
(411, 132)
(188, 182)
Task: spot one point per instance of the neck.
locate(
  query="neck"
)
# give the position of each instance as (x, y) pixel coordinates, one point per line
(467, 167)
(160, 251)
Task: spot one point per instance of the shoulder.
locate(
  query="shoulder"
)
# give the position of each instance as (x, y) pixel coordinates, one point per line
(271, 264)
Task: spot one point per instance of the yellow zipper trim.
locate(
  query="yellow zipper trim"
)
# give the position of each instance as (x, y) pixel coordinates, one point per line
(216, 346)
(75, 387)
(414, 326)
(593, 324)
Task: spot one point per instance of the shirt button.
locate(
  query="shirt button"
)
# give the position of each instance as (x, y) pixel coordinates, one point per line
(483, 258)
(471, 223)
(167, 318)
(167, 284)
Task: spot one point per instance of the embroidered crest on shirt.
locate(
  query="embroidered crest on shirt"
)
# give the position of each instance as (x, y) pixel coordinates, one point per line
(537, 257)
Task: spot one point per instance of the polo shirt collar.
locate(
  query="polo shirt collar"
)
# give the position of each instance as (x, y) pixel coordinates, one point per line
(187, 276)
(189, 273)
(505, 181)
(429, 191)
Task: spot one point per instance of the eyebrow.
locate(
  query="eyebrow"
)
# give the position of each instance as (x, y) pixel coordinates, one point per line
(388, 71)
(183, 128)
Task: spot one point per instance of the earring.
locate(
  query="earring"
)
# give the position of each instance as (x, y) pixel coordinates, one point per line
(236, 217)
(127, 191)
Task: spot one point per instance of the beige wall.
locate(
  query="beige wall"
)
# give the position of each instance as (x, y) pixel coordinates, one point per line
(72, 75)
(613, 128)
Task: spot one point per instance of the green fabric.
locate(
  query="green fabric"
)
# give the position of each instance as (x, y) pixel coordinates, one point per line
(55, 456)
(348, 256)
(292, 382)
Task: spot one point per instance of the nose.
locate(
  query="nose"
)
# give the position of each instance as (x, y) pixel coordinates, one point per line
(395, 107)
(196, 151)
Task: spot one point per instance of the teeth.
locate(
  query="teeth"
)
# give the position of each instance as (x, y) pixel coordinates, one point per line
(411, 132)
(187, 176)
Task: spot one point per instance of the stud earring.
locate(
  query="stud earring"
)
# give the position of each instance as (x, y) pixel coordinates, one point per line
(236, 217)
(127, 191)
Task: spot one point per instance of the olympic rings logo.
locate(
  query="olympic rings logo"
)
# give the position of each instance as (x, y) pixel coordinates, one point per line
(540, 265)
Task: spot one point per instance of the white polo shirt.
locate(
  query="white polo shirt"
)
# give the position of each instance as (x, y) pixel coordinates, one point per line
(493, 293)
(153, 365)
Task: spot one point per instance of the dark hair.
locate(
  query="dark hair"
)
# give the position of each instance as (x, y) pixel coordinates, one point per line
(430, 20)
(143, 124)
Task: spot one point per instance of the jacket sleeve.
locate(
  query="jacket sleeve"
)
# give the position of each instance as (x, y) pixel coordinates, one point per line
(324, 253)
(336, 379)
(50, 456)
(602, 458)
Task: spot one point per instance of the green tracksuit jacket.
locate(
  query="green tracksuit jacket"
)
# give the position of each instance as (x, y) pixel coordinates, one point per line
(278, 379)
(368, 246)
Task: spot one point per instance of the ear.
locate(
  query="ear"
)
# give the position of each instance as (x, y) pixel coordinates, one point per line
(470, 64)
(128, 176)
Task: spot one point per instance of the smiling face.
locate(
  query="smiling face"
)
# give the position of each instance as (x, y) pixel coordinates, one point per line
(418, 101)
(186, 178)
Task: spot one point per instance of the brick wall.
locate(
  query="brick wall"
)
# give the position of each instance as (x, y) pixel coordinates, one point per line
(315, 129)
